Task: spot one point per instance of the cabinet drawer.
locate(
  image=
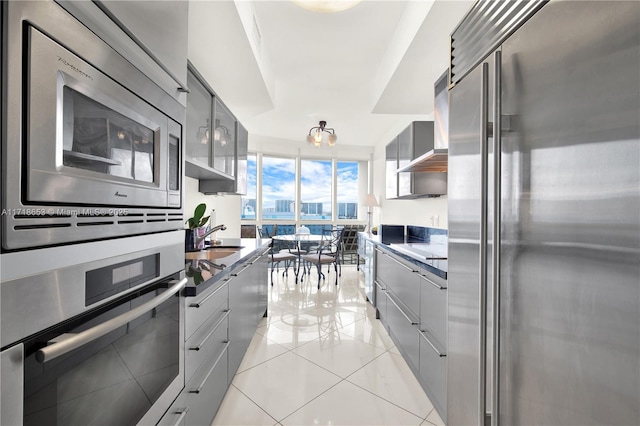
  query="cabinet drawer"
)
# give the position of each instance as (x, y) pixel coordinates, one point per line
(212, 302)
(403, 328)
(407, 289)
(206, 390)
(392, 270)
(433, 372)
(433, 307)
(209, 340)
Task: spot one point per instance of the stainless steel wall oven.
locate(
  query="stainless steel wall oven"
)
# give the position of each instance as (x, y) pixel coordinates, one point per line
(91, 147)
(98, 341)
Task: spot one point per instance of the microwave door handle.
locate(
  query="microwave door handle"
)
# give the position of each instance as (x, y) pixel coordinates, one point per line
(80, 339)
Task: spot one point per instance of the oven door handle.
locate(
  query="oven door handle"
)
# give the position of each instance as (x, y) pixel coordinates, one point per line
(77, 340)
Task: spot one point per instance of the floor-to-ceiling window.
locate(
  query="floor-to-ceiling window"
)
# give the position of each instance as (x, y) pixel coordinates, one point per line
(249, 201)
(294, 191)
(278, 188)
(347, 177)
(316, 183)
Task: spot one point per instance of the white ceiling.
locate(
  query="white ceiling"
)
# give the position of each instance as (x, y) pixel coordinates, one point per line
(368, 71)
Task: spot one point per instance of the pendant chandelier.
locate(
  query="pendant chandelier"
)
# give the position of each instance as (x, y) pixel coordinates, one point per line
(316, 135)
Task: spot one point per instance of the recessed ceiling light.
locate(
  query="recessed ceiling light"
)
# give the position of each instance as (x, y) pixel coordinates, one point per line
(326, 5)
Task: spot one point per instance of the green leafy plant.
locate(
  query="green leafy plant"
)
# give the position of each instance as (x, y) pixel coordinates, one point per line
(199, 219)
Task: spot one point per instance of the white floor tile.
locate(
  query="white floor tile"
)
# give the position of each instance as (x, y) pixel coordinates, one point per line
(237, 409)
(433, 419)
(295, 368)
(283, 384)
(347, 404)
(389, 377)
(339, 353)
(294, 332)
(260, 349)
(369, 330)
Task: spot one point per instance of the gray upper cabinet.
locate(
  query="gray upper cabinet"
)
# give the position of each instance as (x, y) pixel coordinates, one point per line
(198, 150)
(133, 30)
(224, 139)
(238, 185)
(412, 142)
(391, 165)
(216, 142)
(142, 19)
(203, 128)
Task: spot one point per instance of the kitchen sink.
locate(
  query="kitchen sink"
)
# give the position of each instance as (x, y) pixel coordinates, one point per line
(212, 253)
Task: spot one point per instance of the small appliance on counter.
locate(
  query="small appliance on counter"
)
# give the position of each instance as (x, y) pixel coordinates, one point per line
(391, 234)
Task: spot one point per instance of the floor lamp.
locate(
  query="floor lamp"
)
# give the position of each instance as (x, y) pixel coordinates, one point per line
(370, 202)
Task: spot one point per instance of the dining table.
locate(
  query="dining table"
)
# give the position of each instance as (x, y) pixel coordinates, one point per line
(302, 242)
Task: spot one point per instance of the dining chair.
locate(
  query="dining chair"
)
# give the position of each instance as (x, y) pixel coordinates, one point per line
(282, 257)
(326, 254)
(338, 236)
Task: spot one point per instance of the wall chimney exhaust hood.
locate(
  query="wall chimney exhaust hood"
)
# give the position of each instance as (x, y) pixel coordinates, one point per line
(436, 160)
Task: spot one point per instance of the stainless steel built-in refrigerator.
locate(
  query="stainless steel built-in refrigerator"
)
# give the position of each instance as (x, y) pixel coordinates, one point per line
(544, 214)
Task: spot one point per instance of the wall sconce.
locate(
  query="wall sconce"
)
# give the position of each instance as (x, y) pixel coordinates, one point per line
(316, 134)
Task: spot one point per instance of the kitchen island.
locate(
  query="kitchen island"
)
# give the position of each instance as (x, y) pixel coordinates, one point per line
(225, 299)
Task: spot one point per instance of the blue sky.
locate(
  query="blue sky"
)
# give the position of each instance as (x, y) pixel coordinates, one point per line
(278, 181)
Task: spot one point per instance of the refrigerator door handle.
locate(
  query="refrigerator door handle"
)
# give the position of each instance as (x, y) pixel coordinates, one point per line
(484, 183)
(495, 277)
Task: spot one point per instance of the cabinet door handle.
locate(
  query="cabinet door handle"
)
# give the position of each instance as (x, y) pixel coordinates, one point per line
(401, 264)
(235, 274)
(206, 377)
(213, 330)
(201, 303)
(183, 412)
(379, 286)
(426, 339)
(412, 322)
(439, 287)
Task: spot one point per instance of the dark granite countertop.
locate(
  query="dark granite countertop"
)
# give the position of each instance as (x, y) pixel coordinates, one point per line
(430, 257)
(205, 268)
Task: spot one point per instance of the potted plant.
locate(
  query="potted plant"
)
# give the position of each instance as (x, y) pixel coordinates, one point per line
(196, 229)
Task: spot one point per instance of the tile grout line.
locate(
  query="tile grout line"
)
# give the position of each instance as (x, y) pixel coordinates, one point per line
(252, 401)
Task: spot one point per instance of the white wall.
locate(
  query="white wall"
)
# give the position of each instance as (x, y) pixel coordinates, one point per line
(227, 208)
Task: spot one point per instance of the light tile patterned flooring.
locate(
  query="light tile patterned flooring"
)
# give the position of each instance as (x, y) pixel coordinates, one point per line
(321, 358)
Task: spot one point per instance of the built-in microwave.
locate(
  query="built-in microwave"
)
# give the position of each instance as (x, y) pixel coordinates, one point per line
(92, 148)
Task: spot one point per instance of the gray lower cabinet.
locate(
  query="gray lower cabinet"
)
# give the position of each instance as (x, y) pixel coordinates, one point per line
(220, 324)
(381, 301)
(433, 372)
(403, 327)
(411, 303)
(403, 304)
(247, 301)
(207, 388)
(433, 339)
(199, 401)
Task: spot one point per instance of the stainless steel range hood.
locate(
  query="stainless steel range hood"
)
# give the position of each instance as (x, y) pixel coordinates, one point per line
(436, 160)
